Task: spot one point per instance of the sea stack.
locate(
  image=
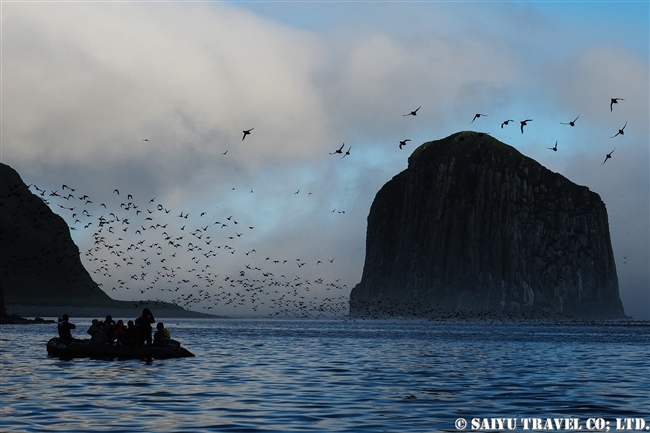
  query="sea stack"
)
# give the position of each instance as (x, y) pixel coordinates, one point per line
(473, 225)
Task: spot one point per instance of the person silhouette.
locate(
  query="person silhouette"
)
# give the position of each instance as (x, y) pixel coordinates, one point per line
(143, 325)
(160, 335)
(64, 327)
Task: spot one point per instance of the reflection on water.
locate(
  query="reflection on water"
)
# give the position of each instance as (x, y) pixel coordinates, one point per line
(329, 376)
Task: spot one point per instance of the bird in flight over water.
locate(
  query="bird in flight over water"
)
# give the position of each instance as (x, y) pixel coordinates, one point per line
(339, 150)
(614, 101)
(505, 122)
(609, 155)
(413, 113)
(572, 123)
(620, 131)
(403, 143)
(246, 132)
(553, 148)
(523, 123)
(476, 116)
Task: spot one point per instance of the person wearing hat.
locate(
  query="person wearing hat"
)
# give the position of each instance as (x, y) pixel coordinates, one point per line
(64, 328)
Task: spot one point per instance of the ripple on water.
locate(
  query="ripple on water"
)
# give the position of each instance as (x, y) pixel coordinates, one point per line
(295, 376)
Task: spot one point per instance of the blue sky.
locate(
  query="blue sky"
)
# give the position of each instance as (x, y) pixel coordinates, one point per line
(83, 84)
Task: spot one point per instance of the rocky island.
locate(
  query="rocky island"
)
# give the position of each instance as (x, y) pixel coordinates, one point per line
(473, 225)
(41, 273)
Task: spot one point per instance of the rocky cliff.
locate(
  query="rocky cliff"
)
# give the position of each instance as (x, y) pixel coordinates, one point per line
(40, 263)
(472, 224)
(40, 266)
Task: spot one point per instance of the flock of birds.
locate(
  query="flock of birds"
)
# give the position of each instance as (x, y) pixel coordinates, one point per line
(523, 123)
(145, 246)
(506, 122)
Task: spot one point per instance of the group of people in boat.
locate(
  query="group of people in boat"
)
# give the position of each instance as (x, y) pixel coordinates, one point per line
(134, 333)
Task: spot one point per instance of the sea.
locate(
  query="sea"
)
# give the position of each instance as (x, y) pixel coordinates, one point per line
(338, 375)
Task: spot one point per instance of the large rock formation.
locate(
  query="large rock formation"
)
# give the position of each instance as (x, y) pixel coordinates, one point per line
(40, 263)
(41, 273)
(472, 224)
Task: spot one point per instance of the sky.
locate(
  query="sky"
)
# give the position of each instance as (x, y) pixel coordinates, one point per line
(150, 99)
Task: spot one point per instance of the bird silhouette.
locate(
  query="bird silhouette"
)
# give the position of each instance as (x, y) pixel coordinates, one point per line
(476, 116)
(609, 155)
(505, 122)
(339, 150)
(553, 148)
(620, 131)
(403, 143)
(614, 101)
(524, 123)
(347, 152)
(246, 132)
(572, 123)
(413, 113)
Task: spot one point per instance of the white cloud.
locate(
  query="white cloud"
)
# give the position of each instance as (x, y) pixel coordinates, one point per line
(85, 83)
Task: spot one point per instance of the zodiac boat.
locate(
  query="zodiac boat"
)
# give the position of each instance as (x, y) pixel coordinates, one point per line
(64, 349)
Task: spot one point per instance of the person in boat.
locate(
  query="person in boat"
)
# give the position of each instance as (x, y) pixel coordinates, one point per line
(97, 333)
(118, 334)
(143, 325)
(110, 325)
(160, 335)
(64, 327)
(130, 336)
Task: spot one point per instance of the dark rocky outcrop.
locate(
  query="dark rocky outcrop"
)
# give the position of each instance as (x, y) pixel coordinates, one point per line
(40, 263)
(41, 273)
(474, 225)
(10, 319)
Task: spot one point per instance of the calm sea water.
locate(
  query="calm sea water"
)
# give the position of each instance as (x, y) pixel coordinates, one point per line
(331, 376)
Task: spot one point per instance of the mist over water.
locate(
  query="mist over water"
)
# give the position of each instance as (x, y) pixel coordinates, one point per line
(330, 376)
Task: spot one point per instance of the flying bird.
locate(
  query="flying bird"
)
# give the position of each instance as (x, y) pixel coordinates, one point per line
(553, 148)
(620, 131)
(524, 123)
(609, 155)
(476, 116)
(403, 143)
(572, 123)
(339, 150)
(614, 101)
(505, 122)
(246, 132)
(347, 152)
(413, 113)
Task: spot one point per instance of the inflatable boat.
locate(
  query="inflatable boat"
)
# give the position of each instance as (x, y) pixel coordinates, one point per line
(64, 349)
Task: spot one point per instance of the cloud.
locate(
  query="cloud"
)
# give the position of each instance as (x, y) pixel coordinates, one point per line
(85, 83)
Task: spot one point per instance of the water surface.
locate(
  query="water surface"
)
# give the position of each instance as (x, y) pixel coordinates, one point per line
(330, 376)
